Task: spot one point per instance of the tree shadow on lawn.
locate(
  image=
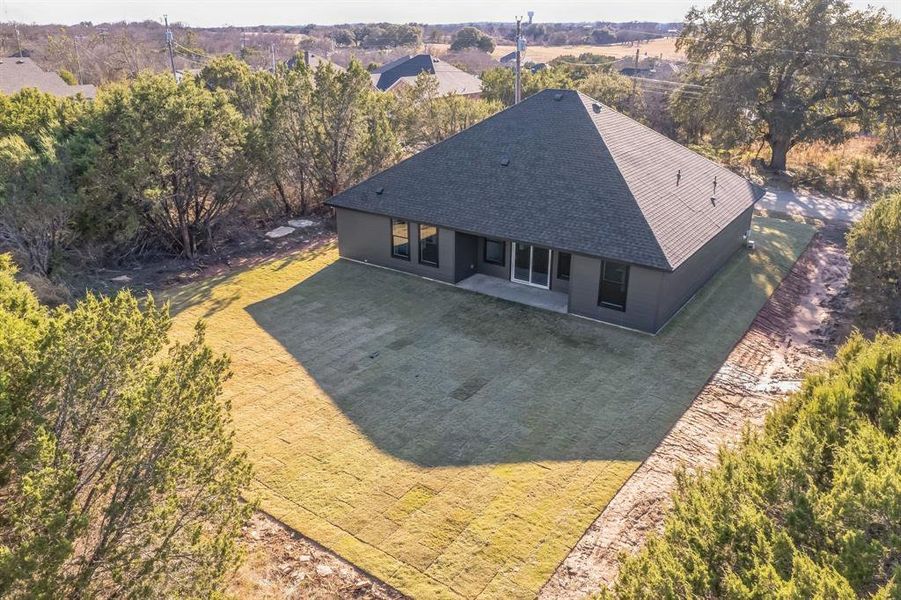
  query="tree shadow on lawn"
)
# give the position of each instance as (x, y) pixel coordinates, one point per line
(439, 376)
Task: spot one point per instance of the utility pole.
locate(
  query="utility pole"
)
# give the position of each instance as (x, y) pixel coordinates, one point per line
(77, 59)
(635, 75)
(517, 89)
(169, 46)
(272, 54)
(18, 42)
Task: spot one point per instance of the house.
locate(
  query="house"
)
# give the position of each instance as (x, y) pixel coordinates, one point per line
(636, 71)
(311, 60)
(509, 60)
(562, 197)
(403, 71)
(22, 72)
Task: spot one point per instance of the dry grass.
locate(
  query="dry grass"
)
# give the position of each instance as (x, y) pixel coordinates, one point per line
(451, 444)
(660, 48)
(853, 169)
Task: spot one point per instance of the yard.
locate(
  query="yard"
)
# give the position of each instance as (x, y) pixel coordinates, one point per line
(451, 444)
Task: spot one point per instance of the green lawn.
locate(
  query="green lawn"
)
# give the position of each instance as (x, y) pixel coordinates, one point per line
(451, 444)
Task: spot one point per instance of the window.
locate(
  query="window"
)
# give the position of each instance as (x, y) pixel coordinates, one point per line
(563, 260)
(495, 252)
(400, 239)
(614, 281)
(428, 245)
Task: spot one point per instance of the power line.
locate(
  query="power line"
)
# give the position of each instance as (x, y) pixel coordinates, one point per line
(575, 64)
(788, 50)
(761, 72)
(189, 50)
(190, 59)
(666, 82)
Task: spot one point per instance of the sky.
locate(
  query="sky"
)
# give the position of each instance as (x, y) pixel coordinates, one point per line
(210, 13)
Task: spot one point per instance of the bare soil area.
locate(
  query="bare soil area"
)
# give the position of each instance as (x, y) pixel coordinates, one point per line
(283, 564)
(150, 274)
(798, 328)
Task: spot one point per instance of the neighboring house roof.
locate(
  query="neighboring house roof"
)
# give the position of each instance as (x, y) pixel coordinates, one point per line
(564, 171)
(17, 73)
(451, 80)
(634, 71)
(511, 57)
(311, 60)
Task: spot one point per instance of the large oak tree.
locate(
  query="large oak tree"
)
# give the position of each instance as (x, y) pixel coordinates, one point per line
(791, 71)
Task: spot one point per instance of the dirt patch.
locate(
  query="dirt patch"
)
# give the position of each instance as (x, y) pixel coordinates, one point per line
(283, 564)
(151, 274)
(797, 329)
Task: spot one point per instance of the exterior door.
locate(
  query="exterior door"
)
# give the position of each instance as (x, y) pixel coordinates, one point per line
(531, 265)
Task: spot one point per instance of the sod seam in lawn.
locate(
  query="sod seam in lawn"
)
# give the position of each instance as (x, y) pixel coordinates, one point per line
(452, 444)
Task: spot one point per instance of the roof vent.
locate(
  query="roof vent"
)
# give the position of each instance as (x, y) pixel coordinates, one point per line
(596, 107)
(505, 161)
(678, 177)
(558, 96)
(379, 191)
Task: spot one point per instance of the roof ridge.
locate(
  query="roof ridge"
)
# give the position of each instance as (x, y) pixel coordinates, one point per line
(663, 137)
(625, 154)
(587, 113)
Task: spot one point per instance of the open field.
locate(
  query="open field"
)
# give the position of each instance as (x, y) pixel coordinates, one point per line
(451, 444)
(659, 48)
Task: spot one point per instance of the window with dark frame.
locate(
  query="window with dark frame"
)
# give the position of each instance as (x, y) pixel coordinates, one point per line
(428, 245)
(400, 239)
(495, 252)
(563, 261)
(614, 283)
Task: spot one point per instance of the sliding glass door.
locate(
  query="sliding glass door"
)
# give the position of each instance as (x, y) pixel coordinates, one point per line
(531, 265)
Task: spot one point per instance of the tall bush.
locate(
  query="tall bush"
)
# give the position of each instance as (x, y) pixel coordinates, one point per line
(874, 247)
(118, 471)
(808, 508)
(174, 155)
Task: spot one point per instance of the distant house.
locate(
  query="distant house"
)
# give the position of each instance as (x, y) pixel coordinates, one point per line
(17, 73)
(509, 60)
(558, 196)
(636, 71)
(403, 71)
(311, 60)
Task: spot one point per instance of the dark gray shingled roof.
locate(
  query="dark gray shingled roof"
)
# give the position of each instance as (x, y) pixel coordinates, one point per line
(17, 73)
(579, 177)
(451, 80)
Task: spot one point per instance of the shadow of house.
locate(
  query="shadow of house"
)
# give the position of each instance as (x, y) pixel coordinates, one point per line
(438, 376)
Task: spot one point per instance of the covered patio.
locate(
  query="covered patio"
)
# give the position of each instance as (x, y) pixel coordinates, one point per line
(516, 292)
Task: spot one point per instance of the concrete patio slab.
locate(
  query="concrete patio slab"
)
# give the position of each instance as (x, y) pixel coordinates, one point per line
(516, 292)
